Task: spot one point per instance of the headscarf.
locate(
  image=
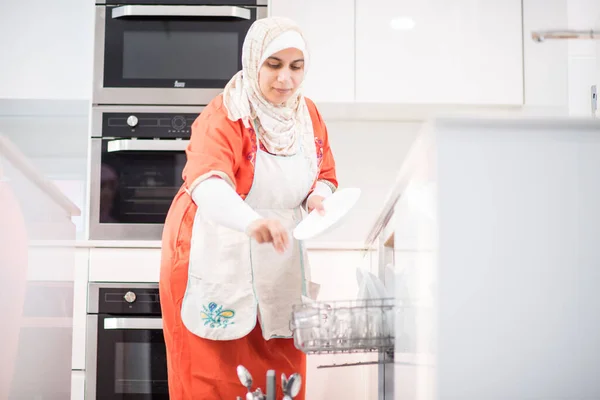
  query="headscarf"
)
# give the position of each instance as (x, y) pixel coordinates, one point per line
(279, 127)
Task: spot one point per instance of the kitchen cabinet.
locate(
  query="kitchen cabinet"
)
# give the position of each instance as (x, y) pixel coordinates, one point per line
(328, 27)
(439, 52)
(78, 385)
(124, 265)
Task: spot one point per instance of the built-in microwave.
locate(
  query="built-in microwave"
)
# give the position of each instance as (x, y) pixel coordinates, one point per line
(136, 163)
(169, 52)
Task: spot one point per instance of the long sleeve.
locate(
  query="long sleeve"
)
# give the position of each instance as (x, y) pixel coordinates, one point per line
(321, 189)
(219, 203)
(327, 171)
(215, 149)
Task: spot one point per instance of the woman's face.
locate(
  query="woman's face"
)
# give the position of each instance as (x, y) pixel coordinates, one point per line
(281, 74)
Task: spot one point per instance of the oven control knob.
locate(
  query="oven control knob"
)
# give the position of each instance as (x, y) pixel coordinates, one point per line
(129, 297)
(132, 121)
(178, 122)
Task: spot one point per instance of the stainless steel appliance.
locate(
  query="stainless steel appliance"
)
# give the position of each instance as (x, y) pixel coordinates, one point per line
(175, 52)
(126, 357)
(136, 162)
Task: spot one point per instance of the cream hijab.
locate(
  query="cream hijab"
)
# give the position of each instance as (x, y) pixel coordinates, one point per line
(278, 127)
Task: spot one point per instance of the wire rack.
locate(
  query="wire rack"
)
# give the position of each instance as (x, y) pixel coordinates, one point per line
(355, 326)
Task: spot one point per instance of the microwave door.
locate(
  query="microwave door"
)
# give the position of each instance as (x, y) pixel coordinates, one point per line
(168, 54)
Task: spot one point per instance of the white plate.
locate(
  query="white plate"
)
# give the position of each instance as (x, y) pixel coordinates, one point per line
(336, 207)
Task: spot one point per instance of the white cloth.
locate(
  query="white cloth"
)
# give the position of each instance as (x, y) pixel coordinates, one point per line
(232, 279)
(220, 204)
(287, 40)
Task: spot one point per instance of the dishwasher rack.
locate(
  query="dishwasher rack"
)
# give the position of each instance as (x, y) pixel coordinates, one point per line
(342, 327)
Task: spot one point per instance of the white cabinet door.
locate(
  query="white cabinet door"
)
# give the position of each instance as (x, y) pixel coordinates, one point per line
(78, 385)
(124, 265)
(329, 30)
(439, 52)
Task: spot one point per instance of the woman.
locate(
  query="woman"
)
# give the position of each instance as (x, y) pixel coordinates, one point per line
(231, 271)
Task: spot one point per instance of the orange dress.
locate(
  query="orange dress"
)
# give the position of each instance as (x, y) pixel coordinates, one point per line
(202, 369)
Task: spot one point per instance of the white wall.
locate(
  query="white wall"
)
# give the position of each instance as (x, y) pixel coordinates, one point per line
(46, 47)
(368, 156)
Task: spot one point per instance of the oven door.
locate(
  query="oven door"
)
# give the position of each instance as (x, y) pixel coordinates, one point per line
(129, 360)
(168, 54)
(133, 183)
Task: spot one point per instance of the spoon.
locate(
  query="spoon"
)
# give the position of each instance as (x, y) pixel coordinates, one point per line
(245, 378)
(294, 384)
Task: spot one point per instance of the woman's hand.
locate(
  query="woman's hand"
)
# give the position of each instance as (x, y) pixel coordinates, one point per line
(316, 203)
(269, 231)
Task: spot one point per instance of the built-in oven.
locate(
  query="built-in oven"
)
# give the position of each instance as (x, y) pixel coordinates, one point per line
(175, 52)
(126, 353)
(137, 156)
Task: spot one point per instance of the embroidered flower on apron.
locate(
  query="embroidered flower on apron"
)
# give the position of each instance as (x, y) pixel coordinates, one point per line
(216, 317)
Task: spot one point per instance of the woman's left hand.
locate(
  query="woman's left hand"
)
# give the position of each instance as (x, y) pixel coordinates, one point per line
(316, 203)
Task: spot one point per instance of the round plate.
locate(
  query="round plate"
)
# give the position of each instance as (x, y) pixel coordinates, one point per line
(336, 207)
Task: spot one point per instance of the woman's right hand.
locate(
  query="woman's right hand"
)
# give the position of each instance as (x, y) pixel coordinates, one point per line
(269, 231)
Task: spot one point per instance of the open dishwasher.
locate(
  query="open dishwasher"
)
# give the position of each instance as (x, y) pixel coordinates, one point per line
(397, 326)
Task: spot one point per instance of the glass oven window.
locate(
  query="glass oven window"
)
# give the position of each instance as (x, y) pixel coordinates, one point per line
(139, 367)
(131, 363)
(139, 187)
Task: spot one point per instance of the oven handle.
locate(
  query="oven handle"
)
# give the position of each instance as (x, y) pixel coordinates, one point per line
(146, 145)
(133, 323)
(181, 11)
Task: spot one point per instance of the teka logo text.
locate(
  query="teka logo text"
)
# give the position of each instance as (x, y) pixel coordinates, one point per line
(179, 84)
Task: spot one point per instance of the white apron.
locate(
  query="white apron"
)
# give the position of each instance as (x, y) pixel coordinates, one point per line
(232, 279)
